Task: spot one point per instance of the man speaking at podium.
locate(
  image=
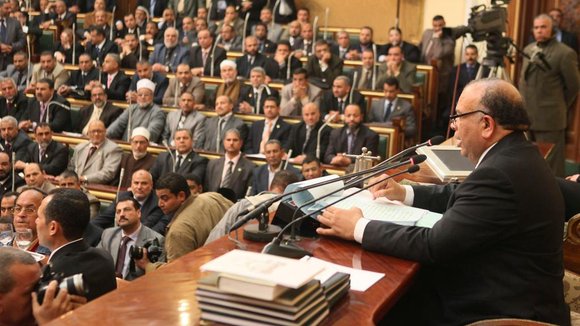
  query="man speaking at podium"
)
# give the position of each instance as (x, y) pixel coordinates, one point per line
(497, 250)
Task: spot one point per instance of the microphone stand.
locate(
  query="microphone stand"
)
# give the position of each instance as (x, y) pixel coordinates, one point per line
(288, 65)
(374, 80)
(164, 142)
(112, 23)
(55, 103)
(212, 58)
(326, 12)
(244, 31)
(319, 135)
(314, 29)
(121, 175)
(74, 50)
(129, 123)
(289, 249)
(176, 91)
(13, 170)
(287, 160)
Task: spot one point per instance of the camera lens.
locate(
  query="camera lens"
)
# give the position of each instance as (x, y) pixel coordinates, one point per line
(73, 284)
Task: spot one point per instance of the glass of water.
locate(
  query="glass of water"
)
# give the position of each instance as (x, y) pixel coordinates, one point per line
(23, 238)
(6, 234)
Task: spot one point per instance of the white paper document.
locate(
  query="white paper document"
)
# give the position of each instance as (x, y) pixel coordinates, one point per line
(360, 280)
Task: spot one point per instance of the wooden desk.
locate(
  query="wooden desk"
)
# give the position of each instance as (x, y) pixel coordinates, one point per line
(166, 296)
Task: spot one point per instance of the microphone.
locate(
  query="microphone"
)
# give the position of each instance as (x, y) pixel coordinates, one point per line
(57, 104)
(164, 142)
(74, 27)
(121, 175)
(287, 160)
(112, 23)
(288, 68)
(212, 59)
(326, 123)
(13, 170)
(264, 205)
(436, 140)
(288, 249)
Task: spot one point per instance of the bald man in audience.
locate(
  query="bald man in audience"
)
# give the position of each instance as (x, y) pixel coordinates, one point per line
(185, 82)
(167, 56)
(203, 56)
(186, 117)
(217, 126)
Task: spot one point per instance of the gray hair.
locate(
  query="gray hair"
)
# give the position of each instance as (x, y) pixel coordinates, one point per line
(8, 257)
(10, 119)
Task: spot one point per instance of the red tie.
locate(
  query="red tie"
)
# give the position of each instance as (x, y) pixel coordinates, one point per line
(121, 257)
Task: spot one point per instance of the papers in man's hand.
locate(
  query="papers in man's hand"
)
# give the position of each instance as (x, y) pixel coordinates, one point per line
(359, 280)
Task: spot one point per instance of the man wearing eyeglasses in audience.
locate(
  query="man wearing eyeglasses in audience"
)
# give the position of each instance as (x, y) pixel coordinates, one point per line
(25, 213)
(7, 205)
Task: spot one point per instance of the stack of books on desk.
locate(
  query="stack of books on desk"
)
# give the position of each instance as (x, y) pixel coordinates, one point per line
(279, 291)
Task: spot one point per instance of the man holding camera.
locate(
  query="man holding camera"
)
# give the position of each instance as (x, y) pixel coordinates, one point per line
(119, 241)
(62, 232)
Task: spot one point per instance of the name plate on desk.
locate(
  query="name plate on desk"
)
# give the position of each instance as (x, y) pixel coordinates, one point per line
(447, 162)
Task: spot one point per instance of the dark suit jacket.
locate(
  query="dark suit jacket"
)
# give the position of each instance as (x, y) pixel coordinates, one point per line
(283, 73)
(59, 117)
(260, 177)
(338, 142)
(267, 47)
(92, 235)
(6, 186)
(499, 220)
(76, 79)
(330, 103)
(130, 61)
(55, 159)
(247, 95)
(570, 39)
(151, 214)
(335, 49)
(161, 83)
(96, 265)
(196, 60)
(119, 86)
(464, 79)
(326, 77)
(108, 47)
(14, 37)
(410, 51)
(19, 106)
(298, 137)
(244, 67)
(160, 5)
(68, 53)
(241, 177)
(18, 145)
(193, 163)
(108, 116)
(280, 131)
(178, 56)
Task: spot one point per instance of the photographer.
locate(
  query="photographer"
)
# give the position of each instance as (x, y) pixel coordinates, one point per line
(130, 235)
(19, 272)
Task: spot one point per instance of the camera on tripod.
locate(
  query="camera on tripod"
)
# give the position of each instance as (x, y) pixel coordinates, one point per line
(154, 251)
(73, 284)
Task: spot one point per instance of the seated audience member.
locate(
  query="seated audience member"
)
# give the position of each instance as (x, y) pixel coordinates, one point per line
(396, 66)
(304, 47)
(232, 86)
(264, 174)
(13, 102)
(169, 54)
(129, 26)
(312, 168)
(138, 159)
(48, 68)
(231, 18)
(335, 100)
(144, 113)
(13, 38)
(145, 71)
(19, 273)
(132, 51)
(187, 33)
(25, 214)
(342, 48)
(281, 180)
(183, 160)
(204, 56)
(167, 20)
(100, 109)
(303, 15)
(272, 127)
(294, 38)
(142, 191)
(185, 118)
(78, 84)
(297, 94)
(34, 178)
(233, 170)
(252, 98)
(365, 73)
(275, 31)
(128, 232)
(365, 42)
(468, 258)
(64, 49)
(351, 138)
(6, 207)
(100, 45)
(323, 66)
(304, 136)
(18, 71)
(215, 127)
(286, 61)
(114, 80)
(47, 106)
(69, 179)
(194, 183)
(411, 52)
(97, 7)
(185, 82)
(229, 40)
(14, 141)
(252, 58)
(152, 35)
(6, 175)
(52, 155)
(193, 216)
(265, 46)
(390, 107)
(96, 160)
(59, 229)
(141, 18)
(467, 72)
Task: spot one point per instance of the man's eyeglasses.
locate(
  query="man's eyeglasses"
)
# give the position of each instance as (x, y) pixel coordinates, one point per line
(453, 118)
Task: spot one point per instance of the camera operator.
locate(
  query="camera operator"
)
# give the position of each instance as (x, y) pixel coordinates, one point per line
(62, 232)
(19, 272)
(129, 233)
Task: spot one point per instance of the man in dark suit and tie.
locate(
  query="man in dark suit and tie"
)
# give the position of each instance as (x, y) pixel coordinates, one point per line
(145, 71)
(334, 101)
(323, 66)
(182, 160)
(13, 102)
(252, 97)
(78, 84)
(47, 107)
(286, 63)
(467, 72)
(265, 46)
(365, 73)
(496, 219)
(204, 54)
(342, 47)
(100, 109)
(115, 81)
(304, 136)
(233, 170)
(18, 70)
(252, 58)
(272, 127)
(13, 139)
(12, 38)
(570, 39)
(53, 156)
(216, 127)
(264, 174)
(154, 7)
(410, 51)
(351, 138)
(99, 45)
(167, 56)
(390, 108)
(59, 229)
